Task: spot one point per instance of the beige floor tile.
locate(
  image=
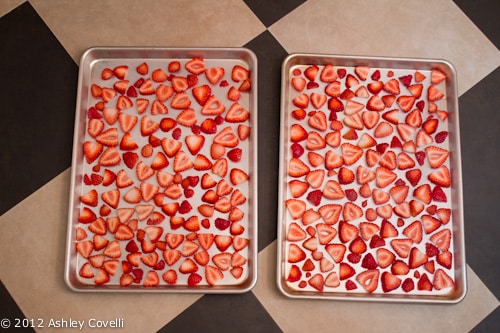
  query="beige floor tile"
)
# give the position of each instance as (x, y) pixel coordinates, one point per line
(327, 316)
(8, 5)
(32, 247)
(81, 24)
(430, 29)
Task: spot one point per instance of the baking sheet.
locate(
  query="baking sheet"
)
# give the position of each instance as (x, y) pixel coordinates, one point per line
(312, 280)
(92, 64)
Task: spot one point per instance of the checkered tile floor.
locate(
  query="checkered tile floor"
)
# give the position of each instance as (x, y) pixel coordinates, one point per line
(40, 46)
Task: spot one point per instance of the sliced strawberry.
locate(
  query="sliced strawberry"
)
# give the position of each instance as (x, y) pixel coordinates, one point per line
(434, 94)
(375, 103)
(384, 177)
(406, 102)
(384, 257)
(389, 282)
(399, 267)
(402, 246)
(423, 193)
(351, 153)
(239, 73)
(333, 190)
(328, 73)
(436, 156)
(392, 87)
(442, 280)
(417, 258)
(334, 104)
(295, 207)
(182, 162)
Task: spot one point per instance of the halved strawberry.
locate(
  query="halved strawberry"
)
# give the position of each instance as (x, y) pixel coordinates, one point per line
(436, 156)
(442, 239)
(369, 279)
(402, 246)
(220, 167)
(383, 129)
(334, 105)
(434, 94)
(392, 87)
(333, 190)
(297, 168)
(295, 207)
(351, 153)
(417, 258)
(384, 177)
(445, 259)
(237, 114)
(389, 282)
(399, 267)
(375, 103)
(442, 280)
(423, 193)
(239, 73)
(384, 257)
(406, 102)
(226, 138)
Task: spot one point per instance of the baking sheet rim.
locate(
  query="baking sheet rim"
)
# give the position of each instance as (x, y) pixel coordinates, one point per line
(365, 60)
(69, 273)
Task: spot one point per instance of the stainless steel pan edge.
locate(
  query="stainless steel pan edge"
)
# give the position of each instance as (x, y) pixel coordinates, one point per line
(460, 289)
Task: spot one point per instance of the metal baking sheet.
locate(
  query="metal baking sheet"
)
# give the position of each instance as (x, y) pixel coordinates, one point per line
(142, 268)
(304, 275)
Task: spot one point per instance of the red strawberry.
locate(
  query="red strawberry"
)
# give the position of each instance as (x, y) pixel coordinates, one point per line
(375, 87)
(237, 114)
(389, 282)
(368, 279)
(442, 239)
(408, 285)
(384, 257)
(445, 259)
(347, 231)
(375, 103)
(392, 87)
(369, 262)
(406, 102)
(417, 258)
(298, 83)
(442, 280)
(334, 105)
(120, 71)
(328, 73)
(357, 246)
(434, 94)
(239, 73)
(384, 177)
(196, 65)
(346, 271)
(402, 246)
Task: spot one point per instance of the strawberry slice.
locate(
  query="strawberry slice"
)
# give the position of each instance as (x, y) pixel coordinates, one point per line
(213, 106)
(92, 150)
(351, 153)
(442, 239)
(180, 101)
(194, 143)
(182, 162)
(369, 279)
(434, 94)
(442, 280)
(417, 258)
(238, 176)
(436, 156)
(227, 138)
(214, 74)
(239, 73)
(406, 102)
(237, 114)
(389, 282)
(328, 74)
(213, 275)
(109, 157)
(375, 103)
